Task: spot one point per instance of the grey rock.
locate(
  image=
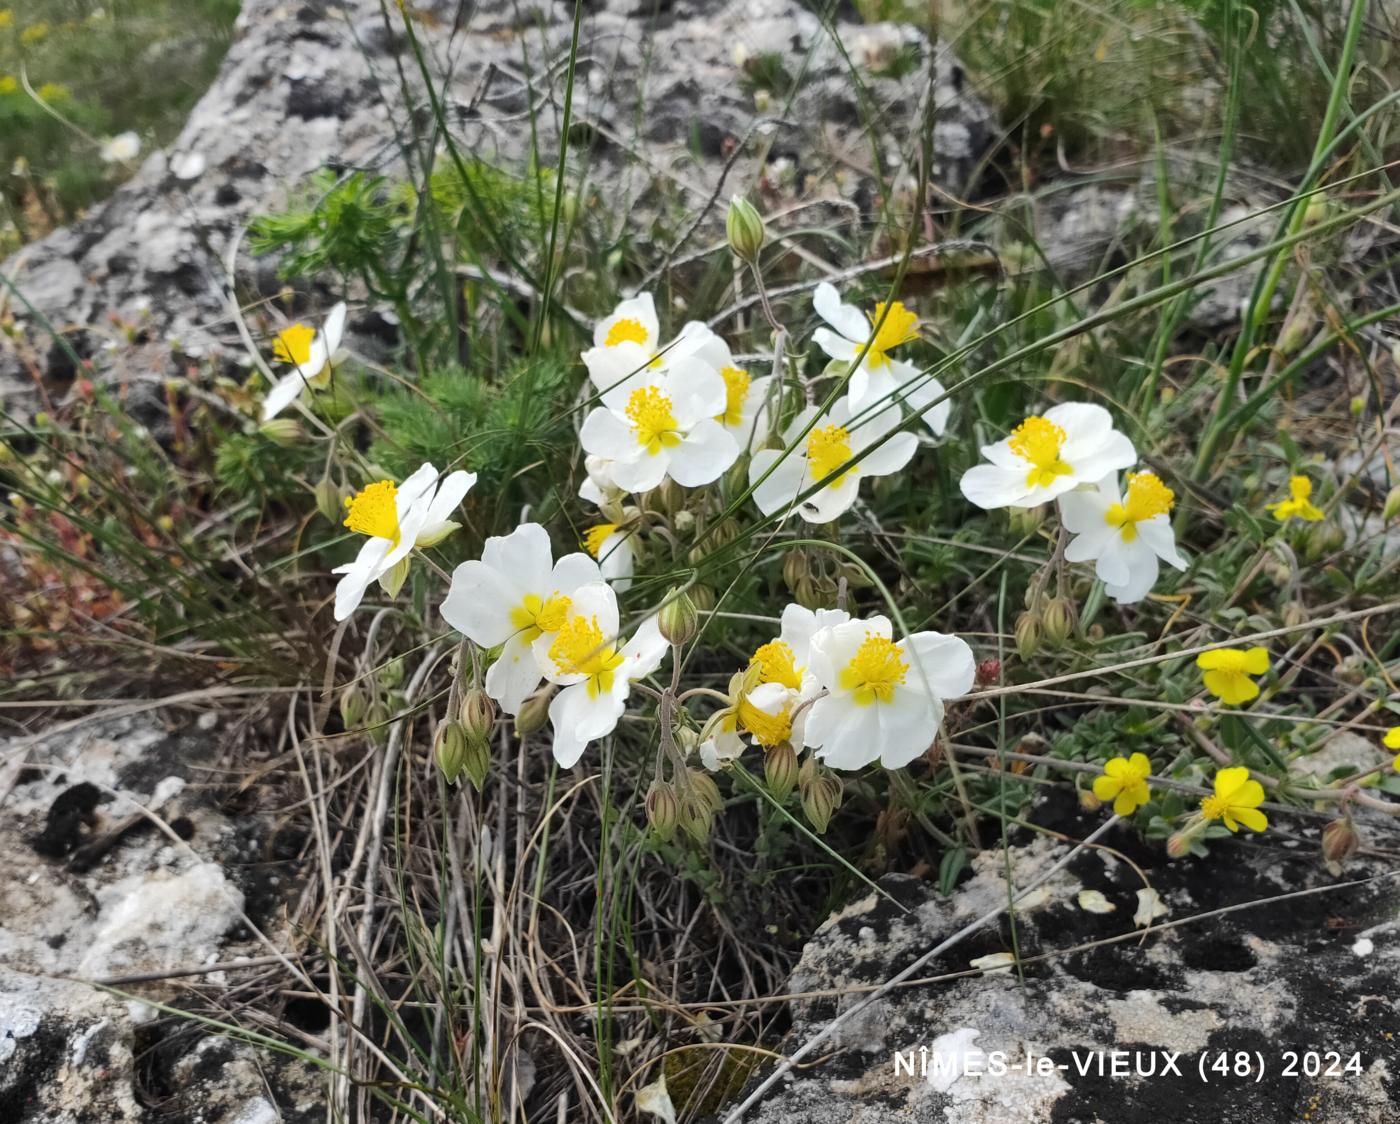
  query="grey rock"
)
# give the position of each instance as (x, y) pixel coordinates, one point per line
(1314, 973)
(660, 104)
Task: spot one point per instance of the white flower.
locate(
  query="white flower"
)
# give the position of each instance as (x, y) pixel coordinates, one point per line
(310, 352)
(1047, 456)
(515, 597)
(747, 413)
(396, 518)
(598, 487)
(663, 426)
(833, 440)
(884, 698)
(770, 695)
(625, 344)
(880, 377)
(587, 659)
(121, 149)
(615, 551)
(1123, 536)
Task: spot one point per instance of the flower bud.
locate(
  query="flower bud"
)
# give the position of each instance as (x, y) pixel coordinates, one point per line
(391, 673)
(1025, 521)
(1295, 614)
(703, 598)
(286, 432)
(780, 770)
(478, 714)
(330, 501)
(477, 761)
(1179, 843)
(377, 723)
(1027, 635)
(795, 568)
(450, 749)
(1392, 504)
(1057, 620)
(820, 800)
(696, 817)
(684, 522)
(663, 810)
(744, 225)
(534, 713)
(1357, 405)
(1339, 842)
(678, 621)
(353, 706)
(701, 784)
(1088, 802)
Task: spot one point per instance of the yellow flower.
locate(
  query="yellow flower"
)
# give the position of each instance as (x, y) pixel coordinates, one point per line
(1228, 671)
(8, 85)
(53, 91)
(1236, 800)
(1298, 506)
(1124, 781)
(33, 33)
(7, 17)
(1392, 741)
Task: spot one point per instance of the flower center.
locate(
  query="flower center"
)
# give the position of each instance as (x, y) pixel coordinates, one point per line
(767, 729)
(1038, 441)
(875, 670)
(374, 511)
(293, 345)
(777, 664)
(1147, 497)
(736, 391)
(1214, 807)
(898, 328)
(580, 649)
(1299, 487)
(535, 615)
(595, 537)
(653, 419)
(626, 330)
(828, 449)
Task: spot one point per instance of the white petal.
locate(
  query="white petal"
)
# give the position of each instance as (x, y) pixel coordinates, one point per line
(784, 483)
(1157, 533)
(514, 676)
(604, 434)
(1116, 452)
(1113, 566)
(367, 567)
(1141, 570)
(908, 726)
(646, 650)
(704, 455)
(939, 664)
(845, 318)
(1089, 545)
(1082, 512)
(696, 391)
(282, 394)
(849, 735)
(989, 486)
(521, 557)
(617, 371)
(835, 346)
(572, 571)
(479, 602)
(334, 330)
(890, 457)
(578, 718)
(643, 473)
(831, 502)
(450, 494)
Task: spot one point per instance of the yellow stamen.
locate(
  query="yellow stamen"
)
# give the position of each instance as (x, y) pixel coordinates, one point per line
(595, 537)
(874, 671)
(293, 345)
(899, 327)
(1147, 497)
(1038, 441)
(535, 616)
(767, 729)
(653, 419)
(1214, 807)
(736, 389)
(374, 511)
(580, 649)
(777, 664)
(626, 330)
(828, 449)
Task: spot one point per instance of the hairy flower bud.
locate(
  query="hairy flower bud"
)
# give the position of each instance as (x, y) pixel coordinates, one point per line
(696, 816)
(1392, 504)
(663, 810)
(1339, 842)
(533, 715)
(285, 432)
(795, 568)
(478, 713)
(1027, 635)
(744, 225)
(1179, 843)
(701, 784)
(353, 706)
(330, 501)
(1057, 619)
(678, 621)
(450, 749)
(1088, 802)
(780, 769)
(820, 799)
